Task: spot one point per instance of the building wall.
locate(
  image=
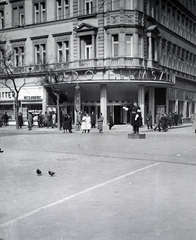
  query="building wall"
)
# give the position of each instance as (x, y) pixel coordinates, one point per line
(160, 34)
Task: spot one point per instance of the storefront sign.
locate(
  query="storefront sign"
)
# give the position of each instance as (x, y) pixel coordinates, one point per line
(151, 75)
(32, 98)
(6, 95)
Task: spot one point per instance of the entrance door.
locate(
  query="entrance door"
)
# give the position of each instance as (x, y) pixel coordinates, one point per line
(117, 115)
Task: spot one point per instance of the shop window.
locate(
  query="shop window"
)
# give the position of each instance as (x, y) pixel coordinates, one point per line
(19, 56)
(40, 12)
(40, 53)
(18, 16)
(62, 9)
(129, 44)
(2, 24)
(115, 46)
(63, 51)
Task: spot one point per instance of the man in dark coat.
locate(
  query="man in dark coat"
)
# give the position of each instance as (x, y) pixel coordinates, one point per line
(5, 118)
(136, 118)
(149, 120)
(111, 122)
(20, 120)
(93, 120)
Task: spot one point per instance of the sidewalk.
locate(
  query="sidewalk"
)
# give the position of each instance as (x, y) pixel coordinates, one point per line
(116, 129)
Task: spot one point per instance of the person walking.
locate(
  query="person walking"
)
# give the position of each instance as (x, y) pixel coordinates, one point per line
(100, 123)
(69, 122)
(111, 122)
(5, 119)
(83, 125)
(20, 120)
(40, 120)
(30, 121)
(170, 120)
(158, 122)
(88, 123)
(53, 119)
(93, 120)
(65, 123)
(164, 122)
(149, 120)
(49, 120)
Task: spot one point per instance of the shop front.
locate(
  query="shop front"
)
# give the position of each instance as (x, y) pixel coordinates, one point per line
(30, 99)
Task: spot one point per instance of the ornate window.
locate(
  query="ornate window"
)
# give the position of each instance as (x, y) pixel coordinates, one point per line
(39, 11)
(87, 38)
(87, 7)
(40, 49)
(62, 9)
(62, 47)
(2, 23)
(18, 14)
(115, 45)
(129, 44)
(18, 46)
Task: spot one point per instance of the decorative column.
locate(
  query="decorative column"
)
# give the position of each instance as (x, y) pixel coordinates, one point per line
(176, 105)
(150, 48)
(184, 109)
(141, 98)
(103, 102)
(44, 101)
(77, 106)
(152, 103)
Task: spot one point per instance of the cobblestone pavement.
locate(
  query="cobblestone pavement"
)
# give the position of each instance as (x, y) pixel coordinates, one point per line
(106, 186)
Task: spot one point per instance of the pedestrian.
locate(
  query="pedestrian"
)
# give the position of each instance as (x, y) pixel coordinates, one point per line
(83, 125)
(30, 120)
(111, 122)
(100, 122)
(157, 122)
(5, 119)
(175, 119)
(170, 120)
(88, 123)
(45, 119)
(65, 123)
(136, 118)
(164, 122)
(69, 122)
(193, 120)
(20, 120)
(49, 120)
(93, 120)
(149, 120)
(53, 119)
(40, 120)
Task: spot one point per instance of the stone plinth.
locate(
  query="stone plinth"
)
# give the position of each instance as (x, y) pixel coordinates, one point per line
(136, 136)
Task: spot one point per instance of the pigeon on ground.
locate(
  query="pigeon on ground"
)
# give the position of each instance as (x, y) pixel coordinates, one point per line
(1, 151)
(39, 172)
(51, 173)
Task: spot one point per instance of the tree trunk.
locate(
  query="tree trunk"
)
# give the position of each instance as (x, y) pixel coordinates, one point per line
(58, 113)
(16, 113)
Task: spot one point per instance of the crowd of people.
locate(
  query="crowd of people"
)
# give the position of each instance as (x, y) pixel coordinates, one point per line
(86, 122)
(163, 121)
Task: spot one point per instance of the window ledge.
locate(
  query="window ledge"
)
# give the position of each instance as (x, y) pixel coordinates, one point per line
(87, 16)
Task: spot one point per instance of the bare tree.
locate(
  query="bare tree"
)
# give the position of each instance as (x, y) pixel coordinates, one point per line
(11, 77)
(52, 79)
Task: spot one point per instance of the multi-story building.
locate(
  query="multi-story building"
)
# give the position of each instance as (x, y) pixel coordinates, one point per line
(109, 52)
